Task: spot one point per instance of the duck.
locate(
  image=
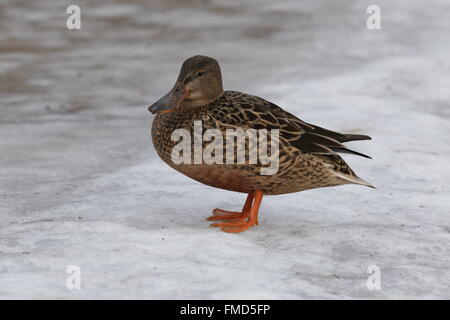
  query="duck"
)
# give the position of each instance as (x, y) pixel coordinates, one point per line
(308, 156)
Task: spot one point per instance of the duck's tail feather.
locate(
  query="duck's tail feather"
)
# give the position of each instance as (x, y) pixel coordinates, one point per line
(353, 137)
(345, 150)
(341, 137)
(354, 179)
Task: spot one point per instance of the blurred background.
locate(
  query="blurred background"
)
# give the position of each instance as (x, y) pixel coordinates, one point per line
(79, 179)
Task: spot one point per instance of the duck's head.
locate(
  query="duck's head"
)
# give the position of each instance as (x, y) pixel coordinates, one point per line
(199, 83)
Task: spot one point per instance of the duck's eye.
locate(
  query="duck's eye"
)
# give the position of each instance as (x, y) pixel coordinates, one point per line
(199, 73)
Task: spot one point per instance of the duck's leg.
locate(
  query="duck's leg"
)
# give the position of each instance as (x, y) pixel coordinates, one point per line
(219, 214)
(247, 222)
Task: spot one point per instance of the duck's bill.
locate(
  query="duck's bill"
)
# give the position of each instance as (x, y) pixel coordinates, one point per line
(163, 105)
(169, 102)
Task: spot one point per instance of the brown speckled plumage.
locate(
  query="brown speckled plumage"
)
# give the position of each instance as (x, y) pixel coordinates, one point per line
(308, 153)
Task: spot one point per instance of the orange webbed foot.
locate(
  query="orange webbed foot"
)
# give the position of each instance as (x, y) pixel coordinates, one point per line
(239, 221)
(219, 214)
(234, 226)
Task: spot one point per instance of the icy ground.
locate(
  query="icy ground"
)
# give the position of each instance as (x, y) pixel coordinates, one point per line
(80, 183)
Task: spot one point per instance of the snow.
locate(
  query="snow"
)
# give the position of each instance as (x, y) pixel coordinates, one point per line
(80, 183)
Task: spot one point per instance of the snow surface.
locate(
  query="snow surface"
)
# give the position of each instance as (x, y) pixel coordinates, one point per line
(80, 183)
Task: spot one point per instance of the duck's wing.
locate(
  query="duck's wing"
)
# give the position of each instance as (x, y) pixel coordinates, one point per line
(239, 110)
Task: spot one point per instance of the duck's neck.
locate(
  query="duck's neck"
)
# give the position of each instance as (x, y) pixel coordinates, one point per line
(195, 103)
